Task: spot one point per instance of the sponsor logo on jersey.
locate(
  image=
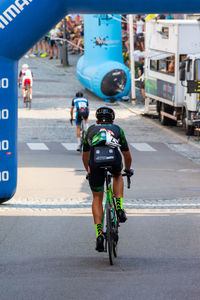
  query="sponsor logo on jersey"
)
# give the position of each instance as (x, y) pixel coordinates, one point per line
(110, 131)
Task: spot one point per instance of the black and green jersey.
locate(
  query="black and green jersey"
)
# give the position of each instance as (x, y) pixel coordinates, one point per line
(96, 133)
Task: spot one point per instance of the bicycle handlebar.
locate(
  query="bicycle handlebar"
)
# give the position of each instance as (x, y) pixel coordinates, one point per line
(124, 174)
(128, 180)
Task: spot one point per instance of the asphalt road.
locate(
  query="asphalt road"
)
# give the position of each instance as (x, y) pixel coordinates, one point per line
(47, 236)
(53, 257)
(57, 172)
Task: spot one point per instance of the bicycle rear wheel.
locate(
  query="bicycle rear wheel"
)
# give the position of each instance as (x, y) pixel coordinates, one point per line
(115, 233)
(109, 234)
(115, 225)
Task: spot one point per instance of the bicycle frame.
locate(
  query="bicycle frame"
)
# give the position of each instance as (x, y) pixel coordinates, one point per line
(112, 223)
(109, 198)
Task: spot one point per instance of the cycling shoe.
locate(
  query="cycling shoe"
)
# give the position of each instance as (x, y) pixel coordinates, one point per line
(121, 215)
(100, 243)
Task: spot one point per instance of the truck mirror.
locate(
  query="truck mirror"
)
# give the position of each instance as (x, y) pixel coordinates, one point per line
(182, 74)
(182, 71)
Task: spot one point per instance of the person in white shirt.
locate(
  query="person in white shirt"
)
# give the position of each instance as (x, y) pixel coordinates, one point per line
(53, 42)
(139, 33)
(26, 77)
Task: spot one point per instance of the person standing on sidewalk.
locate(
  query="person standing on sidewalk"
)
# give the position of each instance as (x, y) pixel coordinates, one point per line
(53, 42)
(139, 33)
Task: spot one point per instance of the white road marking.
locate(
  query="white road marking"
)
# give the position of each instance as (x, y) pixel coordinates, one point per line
(37, 146)
(70, 146)
(143, 147)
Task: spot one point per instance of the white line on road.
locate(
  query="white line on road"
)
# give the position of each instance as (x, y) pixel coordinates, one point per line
(143, 147)
(37, 146)
(70, 146)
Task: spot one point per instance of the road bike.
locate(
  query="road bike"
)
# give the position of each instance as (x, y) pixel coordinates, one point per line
(110, 218)
(27, 99)
(82, 133)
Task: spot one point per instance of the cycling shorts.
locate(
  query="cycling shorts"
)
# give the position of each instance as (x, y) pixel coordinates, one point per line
(140, 37)
(27, 81)
(96, 176)
(80, 115)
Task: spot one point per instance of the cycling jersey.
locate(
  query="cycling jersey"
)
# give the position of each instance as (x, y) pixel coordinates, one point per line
(104, 152)
(27, 77)
(113, 129)
(81, 104)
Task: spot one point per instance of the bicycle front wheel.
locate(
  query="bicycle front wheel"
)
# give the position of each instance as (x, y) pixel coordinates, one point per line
(109, 232)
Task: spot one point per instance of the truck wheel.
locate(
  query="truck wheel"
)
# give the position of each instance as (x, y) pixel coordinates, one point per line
(189, 130)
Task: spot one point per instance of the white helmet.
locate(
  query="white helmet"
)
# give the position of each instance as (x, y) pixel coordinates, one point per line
(25, 66)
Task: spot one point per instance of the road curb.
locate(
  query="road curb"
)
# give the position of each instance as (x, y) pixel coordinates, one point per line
(183, 139)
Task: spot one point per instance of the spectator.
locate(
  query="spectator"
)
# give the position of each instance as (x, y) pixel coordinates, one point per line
(161, 17)
(141, 76)
(54, 34)
(139, 33)
(171, 66)
(169, 17)
(70, 24)
(45, 41)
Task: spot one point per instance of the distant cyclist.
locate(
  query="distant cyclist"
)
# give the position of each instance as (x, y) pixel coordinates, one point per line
(100, 138)
(26, 77)
(82, 112)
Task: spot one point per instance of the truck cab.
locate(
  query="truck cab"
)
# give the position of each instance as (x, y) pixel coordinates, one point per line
(172, 59)
(189, 75)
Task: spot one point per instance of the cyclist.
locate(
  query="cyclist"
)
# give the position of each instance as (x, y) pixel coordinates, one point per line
(82, 111)
(100, 138)
(27, 78)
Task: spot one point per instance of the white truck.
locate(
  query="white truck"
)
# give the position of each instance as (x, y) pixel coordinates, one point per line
(172, 57)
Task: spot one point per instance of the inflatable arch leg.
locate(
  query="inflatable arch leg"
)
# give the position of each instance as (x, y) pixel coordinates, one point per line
(101, 69)
(22, 23)
(8, 128)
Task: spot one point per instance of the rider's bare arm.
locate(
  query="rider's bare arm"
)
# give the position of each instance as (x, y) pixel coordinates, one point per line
(127, 159)
(71, 112)
(85, 158)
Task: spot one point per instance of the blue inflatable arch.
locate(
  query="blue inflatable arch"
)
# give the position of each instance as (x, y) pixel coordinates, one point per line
(22, 23)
